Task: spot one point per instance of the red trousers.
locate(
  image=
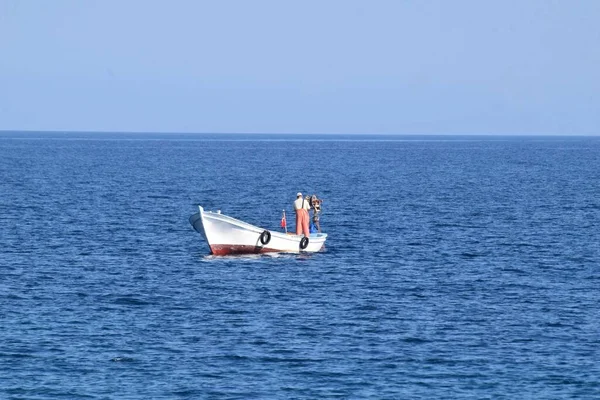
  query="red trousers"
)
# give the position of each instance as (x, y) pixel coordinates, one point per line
(302, 222)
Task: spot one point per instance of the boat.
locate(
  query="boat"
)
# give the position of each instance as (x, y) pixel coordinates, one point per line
(226, 236)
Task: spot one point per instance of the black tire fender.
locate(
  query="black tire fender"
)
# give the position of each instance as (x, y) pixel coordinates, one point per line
(265, 237)
(303, 243)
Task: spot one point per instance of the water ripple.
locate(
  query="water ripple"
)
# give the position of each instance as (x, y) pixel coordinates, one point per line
(453, 269)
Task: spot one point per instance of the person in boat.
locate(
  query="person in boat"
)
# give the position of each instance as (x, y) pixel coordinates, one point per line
(315, 204)
(301, 206)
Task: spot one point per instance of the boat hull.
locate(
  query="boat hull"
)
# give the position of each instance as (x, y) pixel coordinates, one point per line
(226, 236)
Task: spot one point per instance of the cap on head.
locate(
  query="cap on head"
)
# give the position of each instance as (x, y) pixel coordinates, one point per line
(298, 194)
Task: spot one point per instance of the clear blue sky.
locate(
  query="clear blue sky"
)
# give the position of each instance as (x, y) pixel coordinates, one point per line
(402, 66)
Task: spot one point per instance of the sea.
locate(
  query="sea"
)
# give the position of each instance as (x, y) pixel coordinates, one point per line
(460, 267)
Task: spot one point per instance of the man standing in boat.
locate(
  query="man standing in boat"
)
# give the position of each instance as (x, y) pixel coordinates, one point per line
(315, 204)
(302, 206)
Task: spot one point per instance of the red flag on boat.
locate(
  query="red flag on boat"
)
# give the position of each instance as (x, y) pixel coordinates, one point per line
(284, 222)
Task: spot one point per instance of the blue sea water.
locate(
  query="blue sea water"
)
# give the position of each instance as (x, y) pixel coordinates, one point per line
(456, 267)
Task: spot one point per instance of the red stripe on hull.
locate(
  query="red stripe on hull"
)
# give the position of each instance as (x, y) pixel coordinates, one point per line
(229, 249)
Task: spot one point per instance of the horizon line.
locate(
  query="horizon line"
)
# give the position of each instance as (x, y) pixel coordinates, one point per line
(31, 131)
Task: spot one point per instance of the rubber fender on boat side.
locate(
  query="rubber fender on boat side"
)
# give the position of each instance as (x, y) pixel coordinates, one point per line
(303, 243)
(265, 237)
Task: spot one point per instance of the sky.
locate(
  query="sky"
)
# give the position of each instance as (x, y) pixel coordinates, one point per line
(526, 67)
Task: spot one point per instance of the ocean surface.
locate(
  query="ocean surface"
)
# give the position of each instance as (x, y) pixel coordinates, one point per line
(455, 267)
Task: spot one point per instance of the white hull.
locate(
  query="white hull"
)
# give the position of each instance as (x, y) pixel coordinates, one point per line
(226, 235)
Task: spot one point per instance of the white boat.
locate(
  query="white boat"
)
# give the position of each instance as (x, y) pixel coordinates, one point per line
(226, 235)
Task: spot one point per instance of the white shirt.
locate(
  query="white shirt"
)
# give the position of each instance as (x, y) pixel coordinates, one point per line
(298, 204)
